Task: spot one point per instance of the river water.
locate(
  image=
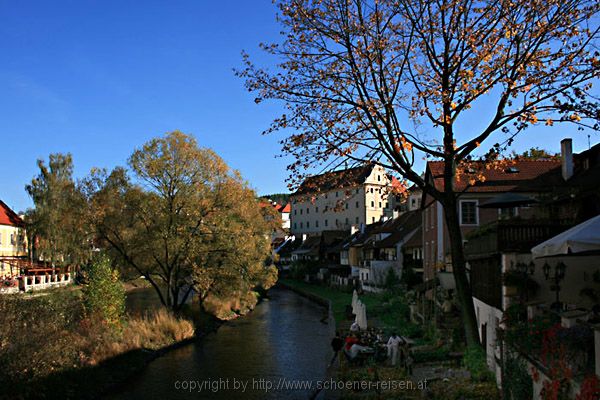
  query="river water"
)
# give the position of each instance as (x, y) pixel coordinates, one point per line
(281, 343)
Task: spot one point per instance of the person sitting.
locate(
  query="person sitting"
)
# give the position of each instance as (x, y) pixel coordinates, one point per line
(350, 340)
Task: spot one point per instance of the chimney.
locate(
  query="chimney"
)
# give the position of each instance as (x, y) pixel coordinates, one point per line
(566, 152)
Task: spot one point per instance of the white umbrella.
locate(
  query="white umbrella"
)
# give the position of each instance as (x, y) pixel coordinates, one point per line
(361, 316)
(581, 238)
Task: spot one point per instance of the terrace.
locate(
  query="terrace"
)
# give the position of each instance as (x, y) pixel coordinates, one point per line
(511, 236)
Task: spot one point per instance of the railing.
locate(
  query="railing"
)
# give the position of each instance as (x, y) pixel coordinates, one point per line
(37, 282)
(512, 236)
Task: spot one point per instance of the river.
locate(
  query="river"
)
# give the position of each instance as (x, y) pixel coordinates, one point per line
(282, 342)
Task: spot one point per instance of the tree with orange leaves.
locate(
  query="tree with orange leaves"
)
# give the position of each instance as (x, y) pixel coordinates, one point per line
(387, 82)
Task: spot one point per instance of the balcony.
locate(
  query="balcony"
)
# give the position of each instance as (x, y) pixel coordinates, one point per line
(511, 236)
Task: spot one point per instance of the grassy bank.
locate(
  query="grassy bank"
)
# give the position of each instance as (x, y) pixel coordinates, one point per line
(339, 300)
(50, 348)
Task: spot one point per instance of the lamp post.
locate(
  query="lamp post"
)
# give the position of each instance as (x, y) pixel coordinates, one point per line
(525, 270)
(555, 276)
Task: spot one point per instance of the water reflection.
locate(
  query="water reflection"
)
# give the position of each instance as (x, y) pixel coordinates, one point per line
(282, 339)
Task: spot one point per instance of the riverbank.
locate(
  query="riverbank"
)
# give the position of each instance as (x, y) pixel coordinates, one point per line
(438, 372)
(55, 350)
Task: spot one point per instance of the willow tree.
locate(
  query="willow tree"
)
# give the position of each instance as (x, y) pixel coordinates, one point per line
(390, 82)
(181, 207)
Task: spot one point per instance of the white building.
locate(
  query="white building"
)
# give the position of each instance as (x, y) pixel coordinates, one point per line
(342, 200)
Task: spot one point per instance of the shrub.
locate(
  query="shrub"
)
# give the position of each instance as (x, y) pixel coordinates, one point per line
(34, 339)
(104, 295)
(517, 381)
(475, 361)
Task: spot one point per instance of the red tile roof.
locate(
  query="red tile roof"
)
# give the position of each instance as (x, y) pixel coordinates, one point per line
(527, 176)
(279, 207)
(8, 216)
(335, 180)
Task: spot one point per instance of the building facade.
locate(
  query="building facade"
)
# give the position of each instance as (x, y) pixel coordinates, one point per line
(342, 200)
(13, 240)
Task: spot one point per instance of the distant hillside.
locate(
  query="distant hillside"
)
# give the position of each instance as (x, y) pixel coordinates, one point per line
(280, 198)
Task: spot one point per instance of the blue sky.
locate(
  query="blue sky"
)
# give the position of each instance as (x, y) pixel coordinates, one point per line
(99, 78)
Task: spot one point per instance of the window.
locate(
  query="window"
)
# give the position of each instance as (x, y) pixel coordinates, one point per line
(379, 178)
(356, 190)
(379, 204)
(468, 212)
(307, 224)
(507, 213)
(325, 222)
(336, 222)
(387, 205)
(300, 211)
(317, 209)
(307, 210)
(357, 206)
(295, 226)
(301, 225)
(295, 213)
(13, 239)
(325, 195)
(373, 219)
(347, 206)
(372, 203)
(357, 220)
(336, 194)
(316, 223)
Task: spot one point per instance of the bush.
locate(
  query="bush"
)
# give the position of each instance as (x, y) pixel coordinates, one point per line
(33, 334)
(517, 381)
(475, 361)
(104, 295)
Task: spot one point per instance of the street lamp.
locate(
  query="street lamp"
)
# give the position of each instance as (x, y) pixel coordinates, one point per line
(555, 277)
(524, 270)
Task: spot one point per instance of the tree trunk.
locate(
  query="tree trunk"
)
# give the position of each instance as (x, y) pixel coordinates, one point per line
(459, 270)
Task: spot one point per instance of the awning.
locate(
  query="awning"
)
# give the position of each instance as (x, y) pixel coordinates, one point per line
(581, 239)
(507, 200)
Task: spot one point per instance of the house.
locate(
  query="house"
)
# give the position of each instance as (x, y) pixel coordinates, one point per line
(13, 241)
(378, 248)
(342, 200)
(502, 271)
(517, 178)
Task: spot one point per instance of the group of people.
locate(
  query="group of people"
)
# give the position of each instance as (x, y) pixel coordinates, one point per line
(371, 343)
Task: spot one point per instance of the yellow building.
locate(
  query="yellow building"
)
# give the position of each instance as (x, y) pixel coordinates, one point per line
(13, 240)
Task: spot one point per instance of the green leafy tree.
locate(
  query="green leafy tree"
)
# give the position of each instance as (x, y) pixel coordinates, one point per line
(57, 223)
(104, 294)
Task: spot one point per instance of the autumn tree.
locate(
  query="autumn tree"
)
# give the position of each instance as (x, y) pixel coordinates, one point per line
(183, 220)
(391, 81)
(56, 224)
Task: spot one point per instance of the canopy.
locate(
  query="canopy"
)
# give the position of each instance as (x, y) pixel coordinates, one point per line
(581, 239)
(507, 200)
